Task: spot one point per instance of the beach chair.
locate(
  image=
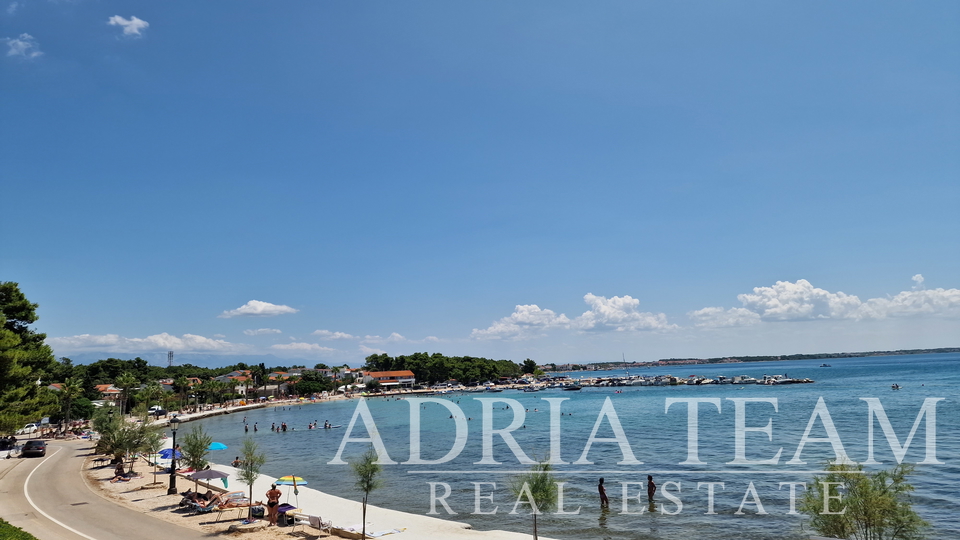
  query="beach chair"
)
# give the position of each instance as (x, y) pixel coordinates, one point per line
(315, 522)
(199, 509)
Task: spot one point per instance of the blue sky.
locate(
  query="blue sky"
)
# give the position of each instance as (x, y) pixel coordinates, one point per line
(555, 180)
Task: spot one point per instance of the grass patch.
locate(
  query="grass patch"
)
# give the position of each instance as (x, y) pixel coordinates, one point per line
(9, 532)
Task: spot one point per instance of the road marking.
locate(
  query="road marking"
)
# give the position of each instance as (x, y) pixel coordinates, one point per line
(26, 493)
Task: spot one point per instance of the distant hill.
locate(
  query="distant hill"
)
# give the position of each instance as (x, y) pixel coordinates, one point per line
(817, 356)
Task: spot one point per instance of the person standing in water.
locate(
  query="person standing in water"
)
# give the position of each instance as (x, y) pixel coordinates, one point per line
(604, 501)
(651, 488)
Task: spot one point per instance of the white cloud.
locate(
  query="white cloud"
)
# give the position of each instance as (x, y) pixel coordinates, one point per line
(131, 26)
(327, 334)
(786, 301)
(301, 346)
(916, 302)
(12, 8)
(917, 282)
(619, 313)
(256, 308)
(431, 339)
(392, 338)
(369, 350)
(24, 46)
(526, 321)
(716, 317)
(157, 342)
(262, 331)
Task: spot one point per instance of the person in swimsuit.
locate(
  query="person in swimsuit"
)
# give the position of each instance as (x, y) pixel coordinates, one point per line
(273, 501)
(604, 501)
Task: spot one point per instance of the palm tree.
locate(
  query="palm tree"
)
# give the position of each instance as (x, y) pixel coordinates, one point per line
(152, 392)
(181, 385)
(70, 390)
(538, 488)
(125, 382)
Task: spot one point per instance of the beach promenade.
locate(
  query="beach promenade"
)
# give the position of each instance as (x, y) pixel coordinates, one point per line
(51, 498)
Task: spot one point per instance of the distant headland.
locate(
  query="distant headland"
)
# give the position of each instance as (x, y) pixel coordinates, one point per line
(738, 359)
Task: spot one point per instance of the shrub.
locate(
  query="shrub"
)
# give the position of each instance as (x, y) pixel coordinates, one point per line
(862, 505)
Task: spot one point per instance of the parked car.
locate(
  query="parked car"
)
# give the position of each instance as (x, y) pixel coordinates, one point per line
(28, 429)
(157, 411)
(34, 448)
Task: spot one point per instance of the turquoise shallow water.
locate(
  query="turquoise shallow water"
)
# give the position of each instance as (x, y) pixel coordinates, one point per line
(657, 438)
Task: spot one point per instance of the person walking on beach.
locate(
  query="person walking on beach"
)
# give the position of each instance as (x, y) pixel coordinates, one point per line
(604, 501)
(273, 501)
(651, 488)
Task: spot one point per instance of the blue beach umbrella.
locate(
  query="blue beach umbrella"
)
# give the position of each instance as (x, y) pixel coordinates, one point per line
(167, 453)
(217, 446)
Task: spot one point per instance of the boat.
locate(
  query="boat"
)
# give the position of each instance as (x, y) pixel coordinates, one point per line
(895, 386)
(825, 365)
(572, 388)
(494, 389)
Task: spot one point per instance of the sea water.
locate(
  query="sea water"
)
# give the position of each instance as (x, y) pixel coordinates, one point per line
(659, 438)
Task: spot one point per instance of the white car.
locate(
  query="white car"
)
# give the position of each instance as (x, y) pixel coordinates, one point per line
(28, 429)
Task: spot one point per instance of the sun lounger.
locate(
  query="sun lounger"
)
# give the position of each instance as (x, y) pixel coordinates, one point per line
(200, 509)
(307, 520)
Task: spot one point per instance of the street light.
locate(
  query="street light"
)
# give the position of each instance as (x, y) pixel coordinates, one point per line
(174, 424)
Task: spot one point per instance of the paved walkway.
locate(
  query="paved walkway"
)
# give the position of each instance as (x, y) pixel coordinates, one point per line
(49, 498)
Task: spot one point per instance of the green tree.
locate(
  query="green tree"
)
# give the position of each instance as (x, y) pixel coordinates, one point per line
(24, 361)
(252, 461)
(70, 390)
(181, 385)
(863, 506)
(82, 408)
(529, 366)
(195, 448)
(539, 490)
(126, 382)
(366, 471)
(151, 393)
(152, 445)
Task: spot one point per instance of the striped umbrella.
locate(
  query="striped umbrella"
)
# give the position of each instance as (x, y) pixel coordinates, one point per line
(292, 481)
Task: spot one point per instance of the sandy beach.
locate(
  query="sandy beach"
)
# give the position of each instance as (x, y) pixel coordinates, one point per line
(148, 495)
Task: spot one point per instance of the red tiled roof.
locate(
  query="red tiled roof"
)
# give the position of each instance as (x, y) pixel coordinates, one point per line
(405, 374)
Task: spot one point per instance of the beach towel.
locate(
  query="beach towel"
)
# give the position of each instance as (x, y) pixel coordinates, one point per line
(384, 533)
(315, 522)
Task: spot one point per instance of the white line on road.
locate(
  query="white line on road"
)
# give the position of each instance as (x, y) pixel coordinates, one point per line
(26, 493)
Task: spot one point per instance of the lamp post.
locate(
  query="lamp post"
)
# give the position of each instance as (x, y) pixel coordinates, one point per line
(174, 424)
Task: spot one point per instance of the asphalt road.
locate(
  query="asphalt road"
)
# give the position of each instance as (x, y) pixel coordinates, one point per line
(48, 498)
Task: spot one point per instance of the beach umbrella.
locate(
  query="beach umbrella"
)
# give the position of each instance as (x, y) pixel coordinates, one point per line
(292, 481)
(217, 446)
(208, 474)
(167, 453)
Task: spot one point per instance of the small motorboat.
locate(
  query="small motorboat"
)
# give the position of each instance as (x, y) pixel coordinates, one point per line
(895, 386)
